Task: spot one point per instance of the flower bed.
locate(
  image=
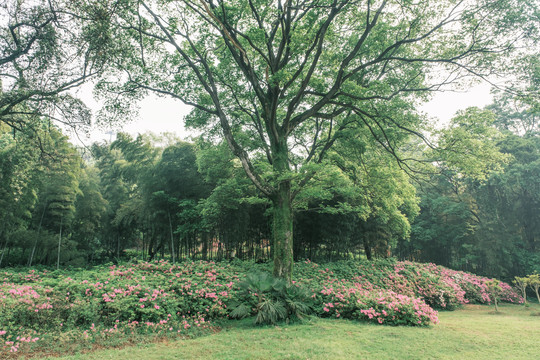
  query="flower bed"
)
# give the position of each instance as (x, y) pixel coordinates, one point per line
(40, 309)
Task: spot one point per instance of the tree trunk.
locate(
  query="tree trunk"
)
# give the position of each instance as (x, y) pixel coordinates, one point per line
(118, 248)
(59, 243)
(172, 237)
(367, 248)
(282, 214)
(142, 245)
(204, 238)
(3, 251)
(37, 238)
(283, 232)
(537, 293)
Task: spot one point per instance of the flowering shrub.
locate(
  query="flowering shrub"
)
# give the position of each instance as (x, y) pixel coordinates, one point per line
(139, 298)
(438, 287)
(41, 308)
(395, 309)
(364, 301)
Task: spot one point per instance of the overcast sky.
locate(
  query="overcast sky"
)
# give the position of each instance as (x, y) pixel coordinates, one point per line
(159, 115)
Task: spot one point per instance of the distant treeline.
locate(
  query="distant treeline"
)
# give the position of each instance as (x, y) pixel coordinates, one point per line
(157, 197)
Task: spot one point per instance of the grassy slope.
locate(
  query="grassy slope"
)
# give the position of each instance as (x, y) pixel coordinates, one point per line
(472, 333)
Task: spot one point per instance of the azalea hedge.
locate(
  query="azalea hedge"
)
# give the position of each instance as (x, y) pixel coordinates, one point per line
(393, 292)
(42, 308)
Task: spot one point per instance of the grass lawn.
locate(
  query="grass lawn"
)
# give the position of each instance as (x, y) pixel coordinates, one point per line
(475, 332)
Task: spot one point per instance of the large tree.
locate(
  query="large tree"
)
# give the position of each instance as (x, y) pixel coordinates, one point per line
(283, 81)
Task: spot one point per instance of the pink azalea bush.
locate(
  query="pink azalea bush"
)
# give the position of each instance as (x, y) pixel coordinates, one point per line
(439, 287)
(377, 306)
(393, 292)
(40, 308)
(144, 298)
(396, 309)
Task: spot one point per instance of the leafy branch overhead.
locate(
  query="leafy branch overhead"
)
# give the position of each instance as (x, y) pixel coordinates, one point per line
(300, 75)
(283, 82)
(46, 52)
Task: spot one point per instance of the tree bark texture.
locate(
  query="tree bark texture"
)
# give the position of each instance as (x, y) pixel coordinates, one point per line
(283, 232)
(282, 216)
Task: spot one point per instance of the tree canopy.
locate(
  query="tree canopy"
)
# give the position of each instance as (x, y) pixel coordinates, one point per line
(46, 51)
(283, 81)
(297, 90)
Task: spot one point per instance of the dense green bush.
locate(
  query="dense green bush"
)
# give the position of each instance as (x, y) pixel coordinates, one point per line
(271, 300)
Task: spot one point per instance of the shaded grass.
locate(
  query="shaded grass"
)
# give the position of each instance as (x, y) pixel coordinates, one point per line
(471, 333)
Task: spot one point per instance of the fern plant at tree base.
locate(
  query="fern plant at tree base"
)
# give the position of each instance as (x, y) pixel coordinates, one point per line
(271, 300)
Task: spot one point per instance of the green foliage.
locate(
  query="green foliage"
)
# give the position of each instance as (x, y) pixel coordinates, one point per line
(271, 300)
(533, 281)
(521, 285)
(518, 110)
(488, 226)
(469, 145)
(43, 55)
(41, 171)
(312, 112)
(116, 303)
(281, 85)
(495, 289)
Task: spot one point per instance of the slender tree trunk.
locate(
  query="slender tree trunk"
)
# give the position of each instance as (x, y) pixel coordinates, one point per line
(3, 251)
(523, 287)
(118, 248)
(219, 247)
(181, 248)
(367, 248)
(204, 239)
(59, 243)
(172, 238)
(189, 252)
(178, 249)
(37, 238)
(142, 246)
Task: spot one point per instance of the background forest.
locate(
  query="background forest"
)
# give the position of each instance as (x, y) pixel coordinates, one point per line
(312, 145)
(156, 197)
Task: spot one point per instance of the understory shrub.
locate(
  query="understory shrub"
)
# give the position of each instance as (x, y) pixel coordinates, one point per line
(42, 308)
(440, 288)
(395, 309)
(271, 300)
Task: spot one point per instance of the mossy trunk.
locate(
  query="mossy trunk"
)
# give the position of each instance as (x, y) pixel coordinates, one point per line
(282, 216)
(59, 244)
(283, 233)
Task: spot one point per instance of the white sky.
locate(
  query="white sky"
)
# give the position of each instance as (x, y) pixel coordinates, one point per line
(444, 105)
(156, 114)
(159, 115)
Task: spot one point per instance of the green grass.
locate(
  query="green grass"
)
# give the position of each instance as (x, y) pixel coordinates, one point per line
(475, 332)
